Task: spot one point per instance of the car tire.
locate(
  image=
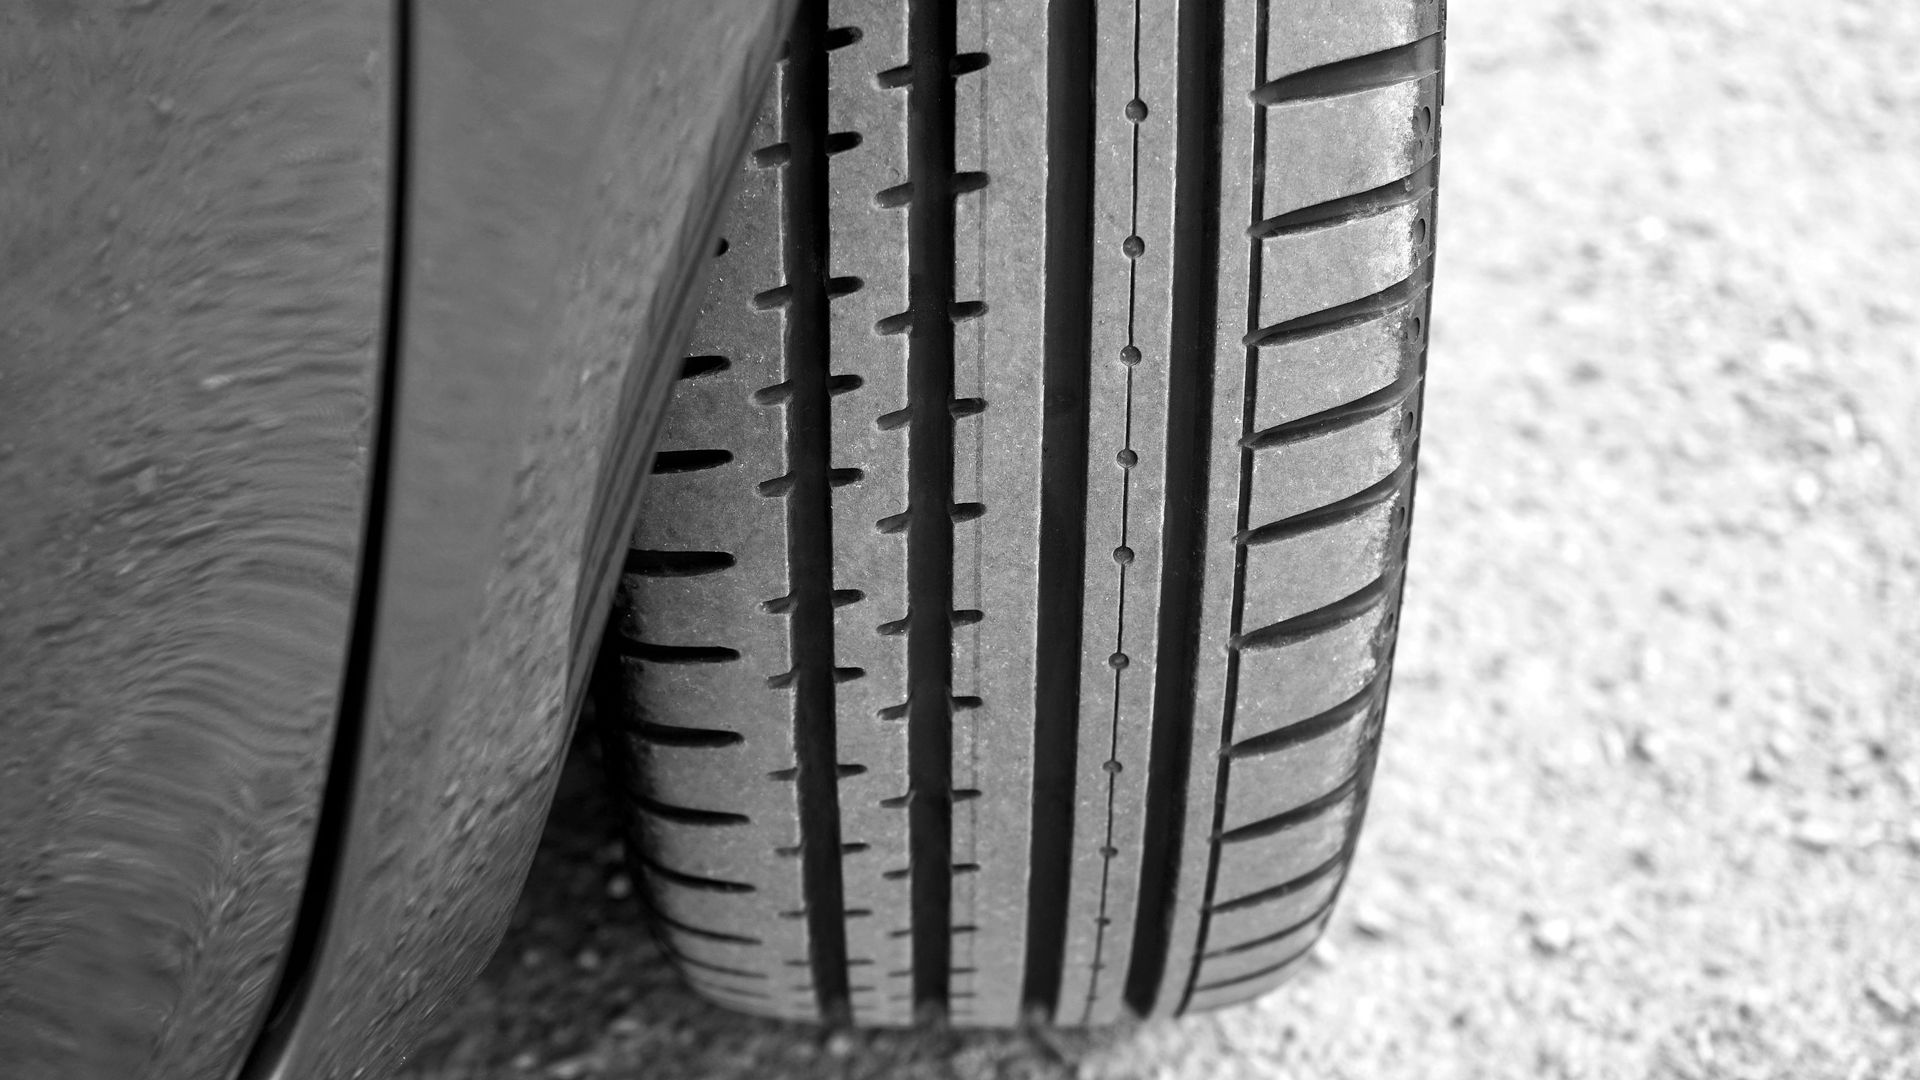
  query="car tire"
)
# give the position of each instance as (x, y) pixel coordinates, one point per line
(1008, 629)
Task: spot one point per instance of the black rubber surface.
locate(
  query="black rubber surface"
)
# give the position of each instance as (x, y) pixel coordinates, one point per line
(1010, 621)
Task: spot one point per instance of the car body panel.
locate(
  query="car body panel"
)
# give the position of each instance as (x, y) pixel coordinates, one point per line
(193, 212)
(325, 409)
(565, 167)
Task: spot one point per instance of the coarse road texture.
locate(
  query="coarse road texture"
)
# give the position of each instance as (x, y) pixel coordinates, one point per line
(1648, 802)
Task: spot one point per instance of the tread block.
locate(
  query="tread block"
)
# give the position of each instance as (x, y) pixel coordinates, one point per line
(1312, 676)
(1358, 141)
(1304, 34)
(1295, 477)
(1297, 574)
(1219, 971)
(1317, 269)
(1235, 993)
(1261, 787)
(699, 907)
(1312, 374)
(1262, 862)
(1234, 927)
(719, 851)
(680, 610)
(710, 694)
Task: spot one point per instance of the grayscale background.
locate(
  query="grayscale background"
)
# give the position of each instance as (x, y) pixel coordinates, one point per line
(1647, 804)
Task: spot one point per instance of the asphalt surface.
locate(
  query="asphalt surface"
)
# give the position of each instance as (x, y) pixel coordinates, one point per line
(1647, 805)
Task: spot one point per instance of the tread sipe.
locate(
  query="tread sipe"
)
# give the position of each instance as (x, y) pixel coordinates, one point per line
(1009, 625)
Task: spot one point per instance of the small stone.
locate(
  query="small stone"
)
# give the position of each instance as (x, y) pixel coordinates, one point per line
(625, 1027)
(840, 1045)
(1369, 921)
(1117, 661)
(1818, 835)
(1127, 459)
(1130, 355)
(1133, 247)
(1807, 490)
(570, 1069)
(619, 887)
(525, 1061)
(146, 481)
(1553, 936)
(587, 960)
(1136, 110)
(1648, 746)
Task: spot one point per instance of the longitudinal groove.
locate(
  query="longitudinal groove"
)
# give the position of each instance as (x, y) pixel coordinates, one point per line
(1196, 229)
(1231, 698)
(930, 381)
(809, 509)
(1405, 63)
(1066, 355)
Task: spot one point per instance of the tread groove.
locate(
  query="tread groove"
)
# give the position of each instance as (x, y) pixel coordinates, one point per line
(1318, 621)
(684, 461)
(686, 815)
(1334, 513)
(931, 35)
(806, 256)
(1294, 818)
(1393, 195)
(1305, 731)
(1067, 339)
(682, 737)
(1192, 341)
(1404, 63)
(1286, 888)
(1341, 316)
(1340, 417)
(664, 564)
(685, 880)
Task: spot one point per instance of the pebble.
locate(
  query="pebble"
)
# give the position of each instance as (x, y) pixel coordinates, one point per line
(1818, 835)
(1553, 936)
(625, 1026)
(587, 960)
(840, 1045)
(525, 1061)
(1371, 922)
(619, 887)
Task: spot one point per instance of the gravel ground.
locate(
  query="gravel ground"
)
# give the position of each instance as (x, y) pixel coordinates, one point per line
(1647, 803)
